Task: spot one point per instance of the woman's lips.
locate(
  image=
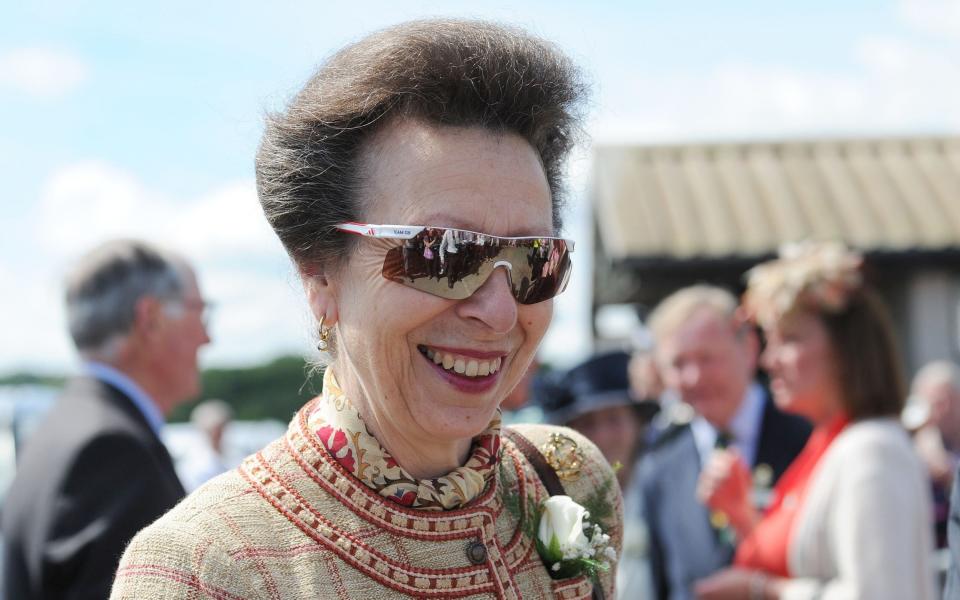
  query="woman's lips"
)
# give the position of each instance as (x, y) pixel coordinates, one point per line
(471, 378)
(462, 364)
(467, 352)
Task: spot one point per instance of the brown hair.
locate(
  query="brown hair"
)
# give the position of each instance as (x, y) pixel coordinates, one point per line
(825, 279)
(443, 72)
(864, 343)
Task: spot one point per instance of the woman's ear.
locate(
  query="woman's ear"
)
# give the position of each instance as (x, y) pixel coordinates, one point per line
(321, 297)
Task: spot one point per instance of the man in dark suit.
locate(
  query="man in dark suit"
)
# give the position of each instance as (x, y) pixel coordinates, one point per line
(708, 357)
(95, 471)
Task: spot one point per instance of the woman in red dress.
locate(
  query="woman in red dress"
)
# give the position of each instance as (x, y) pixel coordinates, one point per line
(850, 518)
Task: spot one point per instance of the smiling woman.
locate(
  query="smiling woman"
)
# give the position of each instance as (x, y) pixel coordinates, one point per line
(415, 183)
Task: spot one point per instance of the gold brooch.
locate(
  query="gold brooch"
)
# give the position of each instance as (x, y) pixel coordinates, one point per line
(563, 455)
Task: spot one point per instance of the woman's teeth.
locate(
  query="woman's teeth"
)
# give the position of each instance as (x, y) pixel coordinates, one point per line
(463, 365)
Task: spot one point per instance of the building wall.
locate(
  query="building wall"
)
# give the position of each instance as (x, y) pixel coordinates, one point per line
(932, 317)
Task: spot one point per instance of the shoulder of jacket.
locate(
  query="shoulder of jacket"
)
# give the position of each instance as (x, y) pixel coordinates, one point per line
(873, 435)
(594, 485)
(545, 436)
(588, 472)
(668, 436)
(185, 544)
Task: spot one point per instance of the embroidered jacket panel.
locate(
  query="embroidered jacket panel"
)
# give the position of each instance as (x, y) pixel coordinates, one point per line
(291, 523)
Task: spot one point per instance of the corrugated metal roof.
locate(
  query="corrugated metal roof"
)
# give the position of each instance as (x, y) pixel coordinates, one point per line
(740, 200)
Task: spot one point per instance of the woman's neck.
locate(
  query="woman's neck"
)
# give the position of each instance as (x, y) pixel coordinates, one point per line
(828, 416)
(420, 455)
(829, 408)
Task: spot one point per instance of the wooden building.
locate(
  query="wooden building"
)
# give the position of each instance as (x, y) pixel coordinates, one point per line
(668, 216)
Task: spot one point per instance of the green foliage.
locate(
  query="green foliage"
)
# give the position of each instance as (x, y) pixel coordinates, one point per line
(552, 555)
(55, 381)
(599, 506)
(529, 517)
(274, 390)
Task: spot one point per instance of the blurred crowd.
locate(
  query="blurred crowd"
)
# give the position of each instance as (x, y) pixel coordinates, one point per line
(763, 445)
(767, 446)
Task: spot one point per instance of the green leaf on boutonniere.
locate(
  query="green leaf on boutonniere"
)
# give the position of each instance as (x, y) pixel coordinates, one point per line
(598, 504)
(592, 554)
(569, 543)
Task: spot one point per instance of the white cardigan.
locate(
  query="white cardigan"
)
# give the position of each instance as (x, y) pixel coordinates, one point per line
(865, 529)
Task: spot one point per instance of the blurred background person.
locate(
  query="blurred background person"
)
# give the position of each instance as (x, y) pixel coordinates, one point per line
(95, 471)
(708, 356)
(520, 395)
(851, 516)
(594, 399)
(646, 384)
(935, 393)
(206, 459)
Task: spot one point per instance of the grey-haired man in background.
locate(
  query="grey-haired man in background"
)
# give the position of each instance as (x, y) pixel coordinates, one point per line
(95, 471)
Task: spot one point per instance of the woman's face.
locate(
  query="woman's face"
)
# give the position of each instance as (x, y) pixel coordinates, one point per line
(614, 429)
(418, 174)
(803, 370)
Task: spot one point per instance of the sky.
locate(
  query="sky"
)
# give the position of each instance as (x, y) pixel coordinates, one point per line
(142, 119)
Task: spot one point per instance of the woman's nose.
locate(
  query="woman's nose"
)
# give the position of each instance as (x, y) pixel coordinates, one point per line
(493, 303)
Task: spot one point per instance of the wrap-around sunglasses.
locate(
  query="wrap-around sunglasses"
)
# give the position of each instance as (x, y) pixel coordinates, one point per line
(454, 263)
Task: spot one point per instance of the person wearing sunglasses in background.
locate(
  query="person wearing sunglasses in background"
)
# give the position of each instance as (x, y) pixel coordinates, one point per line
(415, 182)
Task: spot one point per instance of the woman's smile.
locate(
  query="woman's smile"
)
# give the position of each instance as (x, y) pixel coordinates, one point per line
(468, 371)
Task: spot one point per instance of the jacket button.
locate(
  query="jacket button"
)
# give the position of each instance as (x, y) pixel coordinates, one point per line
(477, 552)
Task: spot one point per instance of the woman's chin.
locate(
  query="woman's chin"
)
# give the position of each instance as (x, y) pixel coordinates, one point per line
(790, 403)
(454, 423)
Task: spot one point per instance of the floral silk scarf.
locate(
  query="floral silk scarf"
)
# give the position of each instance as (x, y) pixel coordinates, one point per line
(341, 431)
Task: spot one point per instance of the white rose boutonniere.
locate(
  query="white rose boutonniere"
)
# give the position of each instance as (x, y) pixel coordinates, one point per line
(568, 543)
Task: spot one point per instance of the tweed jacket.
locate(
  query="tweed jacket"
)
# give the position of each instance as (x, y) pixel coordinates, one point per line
(290, 523)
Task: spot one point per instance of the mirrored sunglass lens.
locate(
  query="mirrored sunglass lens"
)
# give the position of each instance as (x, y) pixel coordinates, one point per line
(540, 271)
(438, 263)
(453, 264)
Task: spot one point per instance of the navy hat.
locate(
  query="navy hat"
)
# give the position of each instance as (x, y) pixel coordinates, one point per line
(600, 382)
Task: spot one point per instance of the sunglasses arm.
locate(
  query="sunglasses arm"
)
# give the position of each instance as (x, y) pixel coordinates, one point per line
(395, 232)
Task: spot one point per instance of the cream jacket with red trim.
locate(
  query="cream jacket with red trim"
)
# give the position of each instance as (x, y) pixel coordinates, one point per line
(289, 523)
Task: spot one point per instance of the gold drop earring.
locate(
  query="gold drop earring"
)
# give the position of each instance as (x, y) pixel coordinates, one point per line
(324, 343)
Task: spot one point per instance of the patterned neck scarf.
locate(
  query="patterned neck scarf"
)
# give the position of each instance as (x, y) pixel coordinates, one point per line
(341, 431)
